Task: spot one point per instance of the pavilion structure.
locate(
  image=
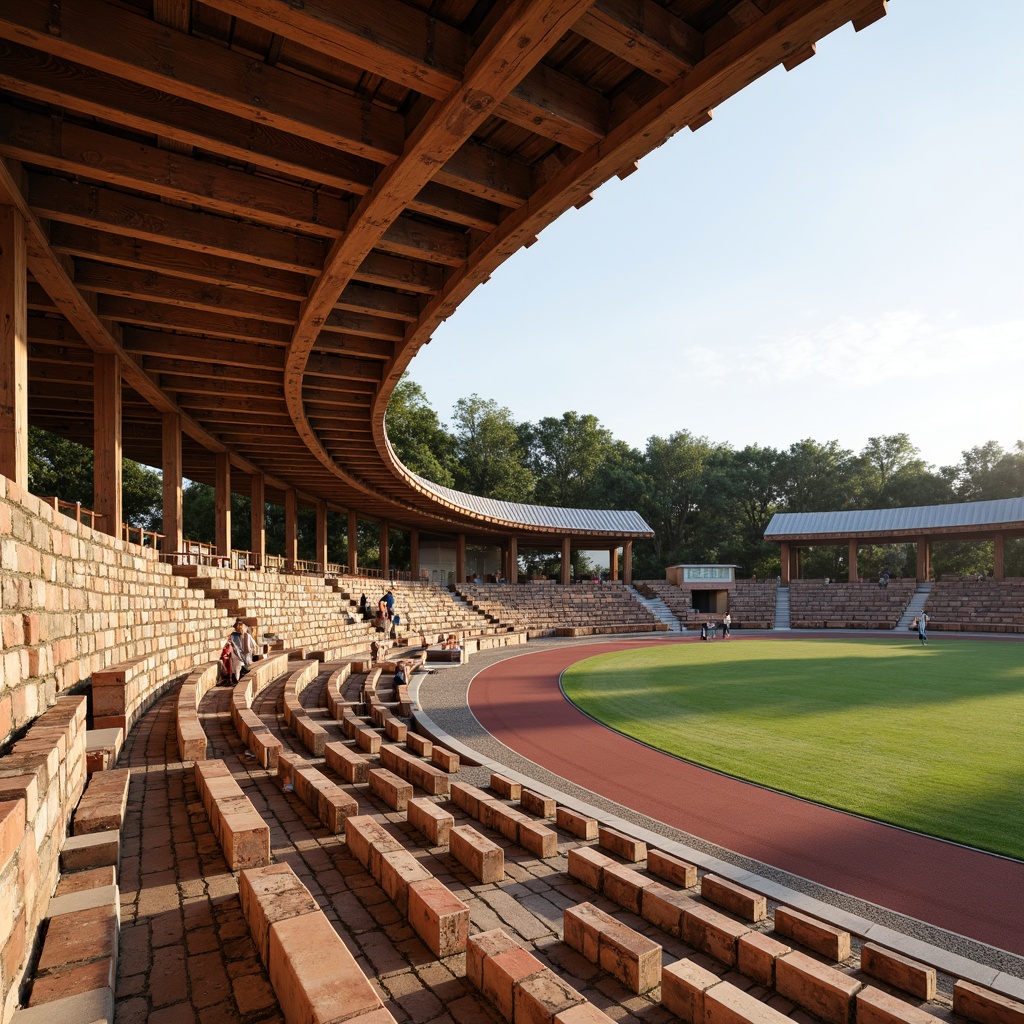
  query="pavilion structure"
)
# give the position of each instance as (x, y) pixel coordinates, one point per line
(923, 525)
(227, 226)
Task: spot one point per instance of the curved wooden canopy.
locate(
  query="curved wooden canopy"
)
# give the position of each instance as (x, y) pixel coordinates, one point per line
(265, 207)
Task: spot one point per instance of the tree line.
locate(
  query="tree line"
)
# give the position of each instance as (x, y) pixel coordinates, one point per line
(705, 501)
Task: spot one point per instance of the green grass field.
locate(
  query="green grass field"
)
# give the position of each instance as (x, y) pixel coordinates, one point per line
(930, 738)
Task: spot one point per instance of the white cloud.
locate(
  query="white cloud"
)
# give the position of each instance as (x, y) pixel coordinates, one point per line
(859, 353)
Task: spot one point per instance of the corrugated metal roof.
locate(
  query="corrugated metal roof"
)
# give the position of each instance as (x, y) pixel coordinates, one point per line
(577, 520)
(1001, 512)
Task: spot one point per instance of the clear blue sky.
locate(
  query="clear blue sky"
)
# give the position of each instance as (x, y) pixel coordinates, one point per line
(839, 254)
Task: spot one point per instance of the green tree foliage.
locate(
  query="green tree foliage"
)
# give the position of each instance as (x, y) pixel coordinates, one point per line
(565, 455)
(417, 436)
(491, 459)
(817, 477)
(675, 485)
(988, 472)
(64, 469)
(891, 475)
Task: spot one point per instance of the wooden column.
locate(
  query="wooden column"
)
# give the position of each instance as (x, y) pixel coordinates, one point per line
(613, 563)
(566, 560)
(13, 348)
(258, 520)
(924, 560)
(784, 558)
(353, 544)
(794, 557)
(414, 553)
(106, 473)
(998, 547)
(627, 563)
(460, 559)
(291, 529)
(171, 466)
(321, 534)
(513, 560)
(222, 503)
(385, 562)
(852, 574)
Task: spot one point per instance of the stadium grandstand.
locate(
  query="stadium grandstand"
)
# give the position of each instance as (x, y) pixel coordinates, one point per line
(226, 229)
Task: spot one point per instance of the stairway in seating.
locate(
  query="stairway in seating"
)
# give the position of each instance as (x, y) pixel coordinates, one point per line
(659, 610)
(782, 607)
(916, 606)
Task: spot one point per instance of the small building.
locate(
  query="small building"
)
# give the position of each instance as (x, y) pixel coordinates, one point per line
(709, 585)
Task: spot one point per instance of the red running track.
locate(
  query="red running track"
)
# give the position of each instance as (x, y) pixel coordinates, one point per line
(965, 891)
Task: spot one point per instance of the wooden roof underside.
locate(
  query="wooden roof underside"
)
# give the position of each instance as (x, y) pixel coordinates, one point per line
(265, 208)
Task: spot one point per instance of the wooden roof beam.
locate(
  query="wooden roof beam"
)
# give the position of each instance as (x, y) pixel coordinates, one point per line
(106, 279)
(514, 45)
(104, 157)
(48, 269)
(49, 79)
(747, 54)
(407, 46)
(93, 32)
(225, 353)
(358, 298)
(169, 260)
(90, 32)
(93, 206)
(192, 321)
(645, 35)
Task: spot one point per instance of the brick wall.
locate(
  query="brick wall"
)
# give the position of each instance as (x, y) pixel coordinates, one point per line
(41, 781)
(74, 601)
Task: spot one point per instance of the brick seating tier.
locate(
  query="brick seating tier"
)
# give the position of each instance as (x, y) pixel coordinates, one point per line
(425, 609)
(815, 604)
(540, 610)
(310, 614)
(977, 606)
(752, 604)
(41, 781)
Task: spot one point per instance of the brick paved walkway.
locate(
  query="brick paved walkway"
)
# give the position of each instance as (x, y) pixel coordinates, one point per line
(186, 955)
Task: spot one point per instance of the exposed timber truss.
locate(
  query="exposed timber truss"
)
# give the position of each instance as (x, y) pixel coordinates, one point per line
(265, 208)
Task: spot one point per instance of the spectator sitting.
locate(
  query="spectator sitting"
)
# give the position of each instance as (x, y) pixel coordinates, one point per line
(424, 643)
(400, 679)
(364, 607)
(244, 650)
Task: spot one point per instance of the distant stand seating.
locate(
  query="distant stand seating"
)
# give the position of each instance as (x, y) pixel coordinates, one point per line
(426, 608)
(752, 604)
(541, 610)
(977, 606)
(815, 604)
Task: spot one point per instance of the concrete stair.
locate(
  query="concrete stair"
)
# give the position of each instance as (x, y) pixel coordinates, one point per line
(916, 606)
(659, 610)
(782, 608)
